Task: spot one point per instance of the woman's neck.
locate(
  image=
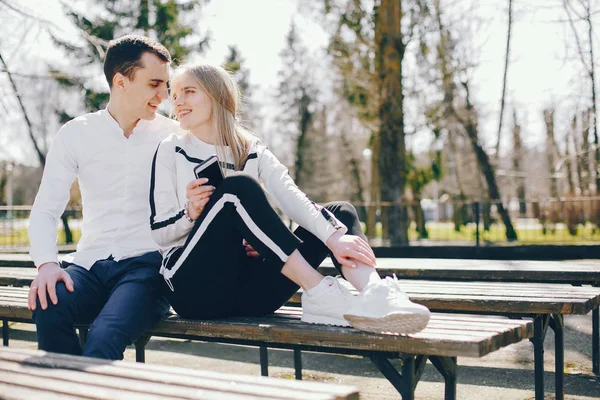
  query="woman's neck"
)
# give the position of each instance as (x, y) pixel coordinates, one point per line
(206, 133)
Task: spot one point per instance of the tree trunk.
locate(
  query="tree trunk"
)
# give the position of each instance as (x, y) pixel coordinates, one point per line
(584, 161)
(374, 194)
(551, 151)
(593, 87)
(504, 79)
(485, 166)
(516, 158)
(303, 126)
(392, 163)
(356, 176)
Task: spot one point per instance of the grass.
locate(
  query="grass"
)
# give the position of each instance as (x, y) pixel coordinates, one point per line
(439, 232)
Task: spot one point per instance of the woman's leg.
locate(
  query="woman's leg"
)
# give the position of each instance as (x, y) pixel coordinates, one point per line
(205, 271)
(315, 251)
(268, 290)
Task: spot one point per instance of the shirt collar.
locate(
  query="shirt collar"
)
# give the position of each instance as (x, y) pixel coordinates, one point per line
(110, 121)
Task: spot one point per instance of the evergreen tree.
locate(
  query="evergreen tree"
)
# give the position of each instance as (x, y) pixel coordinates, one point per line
(297, 96)
(109, 19)
(248, 112)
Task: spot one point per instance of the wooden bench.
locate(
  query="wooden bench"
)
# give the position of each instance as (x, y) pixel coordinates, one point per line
(30, 374)
(447, 337)
(545, 303)
(576, 273)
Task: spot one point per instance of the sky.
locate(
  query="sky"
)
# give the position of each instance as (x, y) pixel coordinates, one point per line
(538, 75)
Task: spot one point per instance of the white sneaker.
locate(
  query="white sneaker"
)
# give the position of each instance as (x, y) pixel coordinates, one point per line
(382, 307)
(326, 303)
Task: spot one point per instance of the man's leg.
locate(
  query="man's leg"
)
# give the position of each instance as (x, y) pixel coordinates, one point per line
(55, 331)
(134, 305)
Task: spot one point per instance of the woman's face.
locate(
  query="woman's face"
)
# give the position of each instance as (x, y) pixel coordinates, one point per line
(191, 104)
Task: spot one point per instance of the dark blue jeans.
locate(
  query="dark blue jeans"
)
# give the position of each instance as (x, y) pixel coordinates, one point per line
(119, 299)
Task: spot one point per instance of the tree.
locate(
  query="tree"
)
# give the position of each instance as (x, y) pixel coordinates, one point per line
(466, 116)
(297, 96)
(505, 77)
(249, 108)
(368, 50)
(517, 158)
(584, 14)
(158, 19)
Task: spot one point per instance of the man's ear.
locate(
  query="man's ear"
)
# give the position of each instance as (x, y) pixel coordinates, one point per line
(119, 81)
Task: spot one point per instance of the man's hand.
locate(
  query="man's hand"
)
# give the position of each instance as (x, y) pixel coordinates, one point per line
(250, 252)
(198, 194)
(45, 283)
(349, 249)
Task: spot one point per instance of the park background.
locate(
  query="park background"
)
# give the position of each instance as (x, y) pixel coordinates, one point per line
(442, 121)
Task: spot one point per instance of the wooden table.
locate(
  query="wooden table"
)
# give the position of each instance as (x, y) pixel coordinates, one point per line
(545, 303)
(577, 273)
(581, 272)
(33, 374)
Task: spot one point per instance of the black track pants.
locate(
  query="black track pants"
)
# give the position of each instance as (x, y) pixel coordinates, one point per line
(211, 275)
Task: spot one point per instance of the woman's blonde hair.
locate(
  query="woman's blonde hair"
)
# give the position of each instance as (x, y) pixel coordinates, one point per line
(224, 92)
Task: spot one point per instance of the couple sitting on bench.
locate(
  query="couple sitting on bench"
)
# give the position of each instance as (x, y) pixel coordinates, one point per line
(224, 251)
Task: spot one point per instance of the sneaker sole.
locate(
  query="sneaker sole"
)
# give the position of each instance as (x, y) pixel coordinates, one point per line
(392, 324)
(317, 319)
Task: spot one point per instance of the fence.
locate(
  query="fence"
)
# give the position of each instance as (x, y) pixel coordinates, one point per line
(14, 222)
(547, 221)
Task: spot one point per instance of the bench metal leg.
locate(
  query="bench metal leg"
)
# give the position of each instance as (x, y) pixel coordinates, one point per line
(408, 373)
(596, 341)
(140, 348)
(298, 363)
(447, 367)
(404, 387)
(264, 361)
(557, 324)
(540, 325)
(5, 332)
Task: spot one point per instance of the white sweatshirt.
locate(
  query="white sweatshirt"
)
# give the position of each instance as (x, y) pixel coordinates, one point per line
(172, 170)
(113, 173)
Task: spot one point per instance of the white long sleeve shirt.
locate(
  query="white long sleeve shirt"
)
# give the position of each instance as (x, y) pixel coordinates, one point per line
(173, 167)
(114, 175)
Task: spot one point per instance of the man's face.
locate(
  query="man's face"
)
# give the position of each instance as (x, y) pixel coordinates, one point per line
(148, 87)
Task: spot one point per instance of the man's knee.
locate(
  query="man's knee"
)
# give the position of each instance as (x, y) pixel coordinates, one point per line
(55, 314)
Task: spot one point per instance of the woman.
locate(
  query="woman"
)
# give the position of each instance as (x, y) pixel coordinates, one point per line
(210, 273)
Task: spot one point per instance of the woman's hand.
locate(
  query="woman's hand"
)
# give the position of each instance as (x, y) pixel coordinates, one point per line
(350, 249)
(198, 194)
(250, 252)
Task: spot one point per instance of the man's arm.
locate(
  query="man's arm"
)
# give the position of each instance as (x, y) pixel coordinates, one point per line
(53, 195)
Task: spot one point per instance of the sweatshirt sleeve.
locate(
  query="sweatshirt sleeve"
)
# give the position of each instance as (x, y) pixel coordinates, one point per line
(292, 201)
(167, 220)
(53, 195)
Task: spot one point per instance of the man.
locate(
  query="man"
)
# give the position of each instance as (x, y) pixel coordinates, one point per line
(112, 280)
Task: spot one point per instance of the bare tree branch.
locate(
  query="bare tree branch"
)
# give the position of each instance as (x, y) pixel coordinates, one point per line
(40, 154)
(504, 79)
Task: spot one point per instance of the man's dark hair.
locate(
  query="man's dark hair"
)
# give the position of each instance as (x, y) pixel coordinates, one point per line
(124, 55)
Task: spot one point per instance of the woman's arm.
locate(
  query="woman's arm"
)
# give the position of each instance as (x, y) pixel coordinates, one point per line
(292, 201)
(167, 219)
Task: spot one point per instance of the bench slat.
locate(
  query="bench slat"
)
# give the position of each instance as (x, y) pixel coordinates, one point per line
(137, 381)
(169, 374)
